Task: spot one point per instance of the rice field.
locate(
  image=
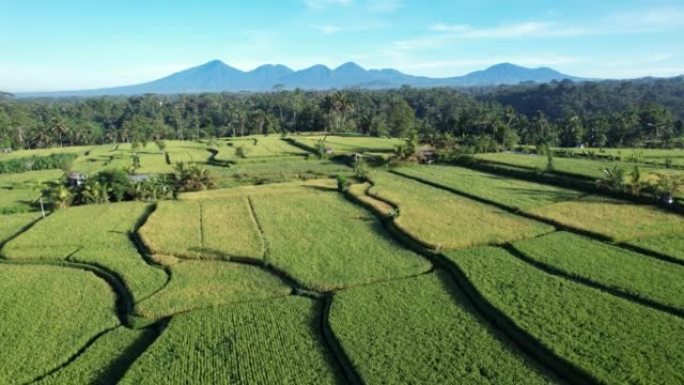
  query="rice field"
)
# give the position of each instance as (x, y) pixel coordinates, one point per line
(625, 271)
(79, 305)
(102, 360)
(301, 229)
(251, 343)
(513, 193)
(351, 144)
(446, 221)
(671, 245)
(11, 225)
(618, 220)
(614, 340)
(196, 285)
(93, 234)
(277, 277)
(259, 146)
(204, 230)
(423, 331)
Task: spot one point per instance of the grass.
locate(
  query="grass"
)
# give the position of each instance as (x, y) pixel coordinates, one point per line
(506, 191)
(203, 229)
(47, 314)
(13, 224)
(326, 242)
(100, 360)
(94, 234)
(616, 219)
(423, 331)
(444, 220)
(202, 284)
(619, 269)
(671, 245)
(615, 340)
(274, 342)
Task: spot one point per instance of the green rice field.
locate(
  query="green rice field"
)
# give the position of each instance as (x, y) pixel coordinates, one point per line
(299, 269)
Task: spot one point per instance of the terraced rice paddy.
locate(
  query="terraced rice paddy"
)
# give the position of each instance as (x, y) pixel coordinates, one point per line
(196, 285)
(300, 230)
(513, 193)
(444, 220)
(349, 144)
(618, 220)
(625, 271)
(200, 229)
(671, 245)
(94, 234)
(429, 317)
(422, 275)
(79, 305)
(213, 346)
(614, 340)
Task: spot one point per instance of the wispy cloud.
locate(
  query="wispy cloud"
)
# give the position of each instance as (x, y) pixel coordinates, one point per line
(320, 4)
(649, 21)
(329, 29)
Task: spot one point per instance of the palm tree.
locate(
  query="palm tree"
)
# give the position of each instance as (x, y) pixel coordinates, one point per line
(61, 129)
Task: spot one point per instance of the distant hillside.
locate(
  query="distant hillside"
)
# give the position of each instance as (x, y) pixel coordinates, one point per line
(216, 76)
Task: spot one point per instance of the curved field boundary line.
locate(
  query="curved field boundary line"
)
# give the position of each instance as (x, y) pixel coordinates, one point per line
(145, 252)
(350, 372)
(124, 307)
(677, 312)
(532, 347)
(74, 356)
(559, 226)
(124, 299)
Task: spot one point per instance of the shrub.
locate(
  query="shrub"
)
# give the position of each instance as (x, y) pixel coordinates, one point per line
(188, 177)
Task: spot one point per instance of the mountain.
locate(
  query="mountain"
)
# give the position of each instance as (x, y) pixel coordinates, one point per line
(216, 76)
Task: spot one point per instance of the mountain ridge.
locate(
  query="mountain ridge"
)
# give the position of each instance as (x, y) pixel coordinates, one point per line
(217, 76)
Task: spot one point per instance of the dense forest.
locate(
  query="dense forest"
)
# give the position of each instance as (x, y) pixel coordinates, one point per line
(611, 113)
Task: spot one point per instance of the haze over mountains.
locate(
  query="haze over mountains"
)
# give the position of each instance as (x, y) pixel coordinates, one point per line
(216, 76)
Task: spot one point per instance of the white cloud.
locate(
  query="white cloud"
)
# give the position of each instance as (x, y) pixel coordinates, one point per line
(655, 20)
(328, 29)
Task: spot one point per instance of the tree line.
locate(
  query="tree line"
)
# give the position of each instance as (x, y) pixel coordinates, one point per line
(596, 114)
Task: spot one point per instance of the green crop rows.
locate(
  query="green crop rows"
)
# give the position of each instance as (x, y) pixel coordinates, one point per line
(613, 339)
(301, 229)
(252, 343)
(446, 221)
(77, 304)
(96, 234)
(625, 271)
(286, 274)
(427, 316)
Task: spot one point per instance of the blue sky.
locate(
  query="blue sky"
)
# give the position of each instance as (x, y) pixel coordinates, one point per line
(59, 45)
